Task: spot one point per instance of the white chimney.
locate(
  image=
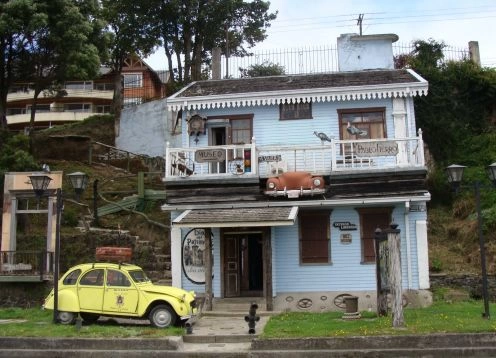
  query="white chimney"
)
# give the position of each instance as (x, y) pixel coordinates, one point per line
(365, 52)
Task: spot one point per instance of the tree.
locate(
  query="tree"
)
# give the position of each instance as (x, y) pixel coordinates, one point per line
(460, 102)
(190, 29)
(132, 30)
(264, 69)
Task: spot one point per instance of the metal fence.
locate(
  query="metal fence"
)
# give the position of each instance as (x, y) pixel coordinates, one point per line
(316, 59)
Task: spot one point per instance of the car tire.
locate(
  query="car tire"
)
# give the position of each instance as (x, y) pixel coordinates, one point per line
(89, 317)
(162, 316)
(67, 317)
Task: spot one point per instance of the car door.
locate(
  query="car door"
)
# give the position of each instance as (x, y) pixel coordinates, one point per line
(121, 295)
(90, 290)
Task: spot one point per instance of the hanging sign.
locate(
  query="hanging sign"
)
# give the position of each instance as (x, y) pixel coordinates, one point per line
(344, 225)
(192, 256)
(210, 155)
(375, 149)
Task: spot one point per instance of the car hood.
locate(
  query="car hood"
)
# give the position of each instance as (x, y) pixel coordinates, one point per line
(166, 290)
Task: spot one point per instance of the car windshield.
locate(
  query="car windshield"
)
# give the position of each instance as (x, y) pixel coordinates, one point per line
(139, 276)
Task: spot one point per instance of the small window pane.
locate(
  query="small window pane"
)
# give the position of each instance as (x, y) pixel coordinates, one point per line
(92, 278)
(71, 278)
(117, 278)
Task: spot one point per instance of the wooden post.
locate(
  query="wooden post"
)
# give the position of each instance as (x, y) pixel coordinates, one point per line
(394, 257)
(379, 239)
(267, 262)
(207, 256)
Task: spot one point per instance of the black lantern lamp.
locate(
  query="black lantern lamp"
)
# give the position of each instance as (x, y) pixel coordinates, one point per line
(491, 172)
(455, 175)
(40, 183)
(79, 181)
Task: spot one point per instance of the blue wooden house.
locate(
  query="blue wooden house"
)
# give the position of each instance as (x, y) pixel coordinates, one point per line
(289, 177)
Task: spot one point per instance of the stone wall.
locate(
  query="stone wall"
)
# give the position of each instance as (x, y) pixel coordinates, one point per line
(470, 283)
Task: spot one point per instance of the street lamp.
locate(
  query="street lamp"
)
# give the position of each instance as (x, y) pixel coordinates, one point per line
(40, 184)
(455, 175)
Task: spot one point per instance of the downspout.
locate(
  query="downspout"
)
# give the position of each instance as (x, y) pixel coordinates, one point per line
(407, 239)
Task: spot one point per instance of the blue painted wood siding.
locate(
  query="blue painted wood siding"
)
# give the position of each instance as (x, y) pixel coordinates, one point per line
(269, 130)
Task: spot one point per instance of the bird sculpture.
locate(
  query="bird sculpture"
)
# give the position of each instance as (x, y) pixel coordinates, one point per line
(356, 131)
(323, 137)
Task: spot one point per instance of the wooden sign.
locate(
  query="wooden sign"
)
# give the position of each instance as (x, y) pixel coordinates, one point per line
(375, 149)
(345, 239)
(210, 155)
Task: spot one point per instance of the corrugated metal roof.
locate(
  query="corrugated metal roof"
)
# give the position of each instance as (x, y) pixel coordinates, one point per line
(236, 217)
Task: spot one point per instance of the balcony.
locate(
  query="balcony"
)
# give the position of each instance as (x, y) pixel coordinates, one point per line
(25, 266)
(252, 161)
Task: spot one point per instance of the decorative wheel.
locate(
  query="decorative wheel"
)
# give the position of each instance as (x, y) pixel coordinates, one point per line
(66, 317)
(339, 300)
(185, 167)
(162, 316)
(237, 167)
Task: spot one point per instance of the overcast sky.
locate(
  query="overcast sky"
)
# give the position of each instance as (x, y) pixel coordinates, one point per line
(319, 22)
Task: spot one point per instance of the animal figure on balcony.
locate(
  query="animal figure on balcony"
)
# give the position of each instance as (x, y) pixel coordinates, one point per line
(323, 137)
(356, 131)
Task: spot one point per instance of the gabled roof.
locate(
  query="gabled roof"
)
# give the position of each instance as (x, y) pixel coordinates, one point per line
(324, 87)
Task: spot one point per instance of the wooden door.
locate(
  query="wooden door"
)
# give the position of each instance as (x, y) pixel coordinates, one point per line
(232, 271)
(370, 220)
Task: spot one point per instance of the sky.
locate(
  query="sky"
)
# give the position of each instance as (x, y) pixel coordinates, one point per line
(309, 23)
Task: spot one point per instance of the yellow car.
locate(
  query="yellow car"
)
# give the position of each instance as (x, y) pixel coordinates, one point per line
(119, 290)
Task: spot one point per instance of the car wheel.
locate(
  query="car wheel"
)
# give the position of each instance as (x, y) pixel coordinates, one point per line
(89, 317)
(66, 317)
(162, 316)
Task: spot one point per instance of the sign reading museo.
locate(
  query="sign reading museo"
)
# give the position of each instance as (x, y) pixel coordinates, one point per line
(210, 155)
(375, 149)
(193, 248)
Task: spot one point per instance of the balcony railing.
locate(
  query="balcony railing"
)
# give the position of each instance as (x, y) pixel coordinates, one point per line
(26, 263)
(267, 161)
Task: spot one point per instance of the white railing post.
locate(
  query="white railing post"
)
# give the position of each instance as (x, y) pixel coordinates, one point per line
(254, 157)
(333, 154)
(420, 150)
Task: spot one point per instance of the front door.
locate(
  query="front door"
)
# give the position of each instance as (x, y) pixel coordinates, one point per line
(218, 137)
(243, 265)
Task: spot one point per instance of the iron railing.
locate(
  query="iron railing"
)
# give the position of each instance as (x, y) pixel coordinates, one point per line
(26, 263)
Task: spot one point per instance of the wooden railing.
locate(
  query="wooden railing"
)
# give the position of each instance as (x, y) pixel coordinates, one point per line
(267, 161)
(26, 263)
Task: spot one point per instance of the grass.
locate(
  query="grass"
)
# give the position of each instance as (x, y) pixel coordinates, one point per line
(33, 322)
(441, 317)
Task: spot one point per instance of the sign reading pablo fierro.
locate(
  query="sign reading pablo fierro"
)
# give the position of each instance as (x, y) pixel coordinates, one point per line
(375, 149)
(210, 155)
(344, 225)
(193, 248)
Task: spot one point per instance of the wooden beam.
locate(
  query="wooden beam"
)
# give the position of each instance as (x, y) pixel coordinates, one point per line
(207, 255)
(267, 262)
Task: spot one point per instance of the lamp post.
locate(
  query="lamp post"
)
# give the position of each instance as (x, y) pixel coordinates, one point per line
(40, 184)
(455, 175)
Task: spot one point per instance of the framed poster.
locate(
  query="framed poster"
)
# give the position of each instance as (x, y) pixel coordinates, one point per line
(192, 256)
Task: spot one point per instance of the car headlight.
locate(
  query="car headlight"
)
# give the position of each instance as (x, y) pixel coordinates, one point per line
(316, 182)
(272, 185)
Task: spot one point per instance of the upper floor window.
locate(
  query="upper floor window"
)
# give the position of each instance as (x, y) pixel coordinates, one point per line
(103, 108)
(133, 80)
(79, 85)
(14, 111)
(77, 107)
(362, 123)
(315, 243)
(240, 131)
(301, 110)
(39, 108)
(104, 86)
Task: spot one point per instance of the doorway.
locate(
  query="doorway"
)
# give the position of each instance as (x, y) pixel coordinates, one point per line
(218, 137)
(243, 265)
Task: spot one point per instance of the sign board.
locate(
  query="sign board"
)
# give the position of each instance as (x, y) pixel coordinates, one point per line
(375, 149)
(345, 239)
(192, 255)
(210, 155)
(418, 207)
(344, 225)
(270, 158)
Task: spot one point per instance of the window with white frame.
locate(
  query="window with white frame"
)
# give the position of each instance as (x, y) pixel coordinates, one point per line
(133, 80)
(40, 108)
(79, 85)
(103, 108)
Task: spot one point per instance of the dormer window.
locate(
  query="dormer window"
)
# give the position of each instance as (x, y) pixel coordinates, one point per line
(301, 110)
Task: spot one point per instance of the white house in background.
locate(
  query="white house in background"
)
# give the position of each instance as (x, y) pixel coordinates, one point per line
(291, 175)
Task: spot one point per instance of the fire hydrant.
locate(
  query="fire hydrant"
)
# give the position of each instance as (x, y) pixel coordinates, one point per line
(252, 318)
